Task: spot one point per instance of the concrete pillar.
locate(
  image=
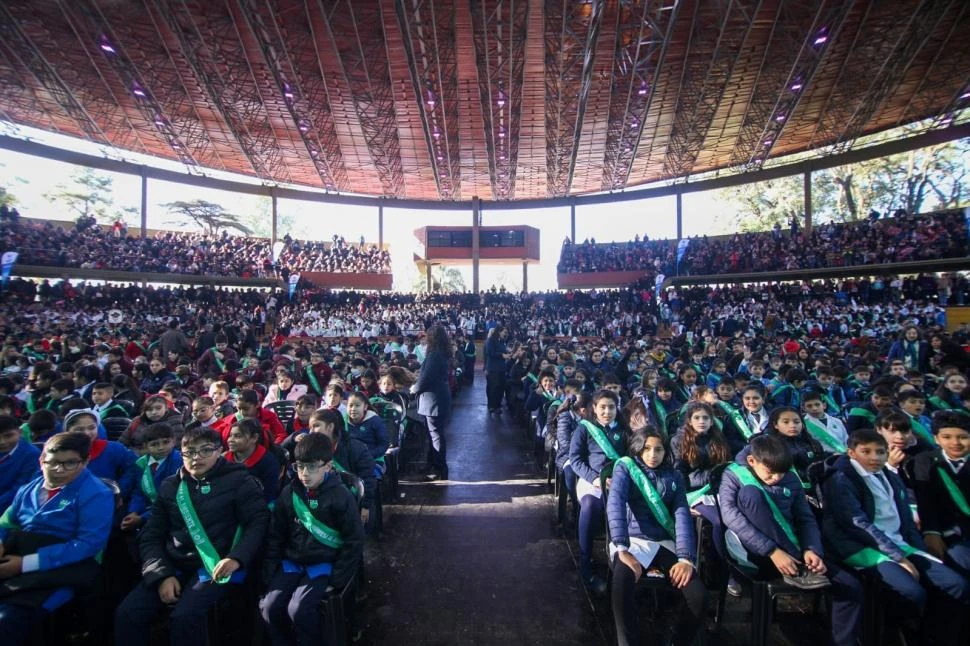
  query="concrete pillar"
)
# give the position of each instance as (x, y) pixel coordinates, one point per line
(572, 222)
(275, 223)
(680, 215)
(380, 226)
(476, 250)
(807, 192)
(144, 202)
(427, 275)
(525, 275)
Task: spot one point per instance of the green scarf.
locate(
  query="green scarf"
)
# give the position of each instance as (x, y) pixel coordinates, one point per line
(219, 363)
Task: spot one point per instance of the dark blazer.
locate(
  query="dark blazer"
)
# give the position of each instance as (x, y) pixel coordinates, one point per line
(937, 511)
(898, 351)
(434, 395)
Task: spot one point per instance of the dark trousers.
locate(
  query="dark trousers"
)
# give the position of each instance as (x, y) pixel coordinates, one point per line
(291, 608)
(494, 388)
(711, 514)
(624, 613)
(17, 622)
(958, 554)
(950, 594)
(847, 599)
(187, 625)
(436, 451)
(569, 477)
(469, 373)
(591, 511)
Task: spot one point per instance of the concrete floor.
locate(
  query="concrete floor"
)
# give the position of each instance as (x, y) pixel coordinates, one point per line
(478, 560)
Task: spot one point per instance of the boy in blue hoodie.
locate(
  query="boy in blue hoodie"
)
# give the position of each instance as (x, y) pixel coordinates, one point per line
(763, 504)
(18, 460)
(51, 534)
(869, 526)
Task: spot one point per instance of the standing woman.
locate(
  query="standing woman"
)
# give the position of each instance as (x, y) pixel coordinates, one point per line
(434, 397)
(496, 354)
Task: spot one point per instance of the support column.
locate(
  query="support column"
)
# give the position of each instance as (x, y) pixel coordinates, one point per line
(275, 223)
(680, 215)
(380, 227)
(476, 250)
(572, 222)
(525, 275)
(144, 202)
(807, 191)
(427, 275)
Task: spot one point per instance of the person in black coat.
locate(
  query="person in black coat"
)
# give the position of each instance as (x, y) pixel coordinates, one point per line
(316, 540)
(233, 520)
(434, 398)
(496, 354)
(349, 455)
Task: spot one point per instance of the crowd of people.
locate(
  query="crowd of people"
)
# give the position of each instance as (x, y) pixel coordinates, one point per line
(94, 247)
(872, 241)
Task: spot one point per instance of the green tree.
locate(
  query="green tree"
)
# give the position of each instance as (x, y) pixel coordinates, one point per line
(88, 195)
(443, 279)
(260, 221)
(212, 217)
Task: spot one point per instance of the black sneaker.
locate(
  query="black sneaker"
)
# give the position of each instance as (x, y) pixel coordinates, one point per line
(807, 580)
(596, 586)
(734, 587)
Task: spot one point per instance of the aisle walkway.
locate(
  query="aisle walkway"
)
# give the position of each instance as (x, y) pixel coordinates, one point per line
(475, 560)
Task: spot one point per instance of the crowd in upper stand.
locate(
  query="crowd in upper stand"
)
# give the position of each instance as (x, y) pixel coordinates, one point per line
(90, 246)
(869, 242)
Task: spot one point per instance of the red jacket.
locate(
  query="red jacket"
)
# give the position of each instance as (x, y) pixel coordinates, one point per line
(273, 431)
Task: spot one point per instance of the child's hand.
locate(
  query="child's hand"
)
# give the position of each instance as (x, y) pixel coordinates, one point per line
(364, 515)
(814, 562)
(936, 545)
(680, 574)
(10, 566)
(909, 567)
(225, 568)
(631, 562)
(896, 456)
(784, 563)
(169, 590)
(130, 521)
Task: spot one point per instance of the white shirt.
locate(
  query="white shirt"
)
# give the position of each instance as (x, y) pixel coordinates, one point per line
(887, 515)
(757, 422)
(835, 427)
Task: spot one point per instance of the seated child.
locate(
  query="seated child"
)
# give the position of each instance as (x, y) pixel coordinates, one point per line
(896, 427)
(869, 525)
(245, 448)
(365, 425)
(763, 505)
(49, 546)
(656, 534)
(41, 425)
(349, 455)
(160, 461)
(913, 403)
(178, 567)
(941, 480)
(316, 540)
(826, 429)
(786, 424)
(864, 416)
(18, 460)
(107, 459)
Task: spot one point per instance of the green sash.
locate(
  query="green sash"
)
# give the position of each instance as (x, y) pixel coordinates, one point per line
(748, 479)
(207, 551)
(863, 412)
(219, 362)
(649, 492)
(597, 434)
(871, 557)
(781, 388)
(147, 479)
(313, 380)
(31, 406)
(922, 431)
(319, 530)
(661, 413)
(532, 377)
(939, 403)
(958, 498)
(736, 418)
(695, 496)
(830, 406)
(817, 430)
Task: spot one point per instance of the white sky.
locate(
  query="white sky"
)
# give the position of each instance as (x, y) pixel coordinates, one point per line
(28, 178)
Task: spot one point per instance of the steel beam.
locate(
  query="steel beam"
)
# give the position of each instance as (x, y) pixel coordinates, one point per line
(571, 31)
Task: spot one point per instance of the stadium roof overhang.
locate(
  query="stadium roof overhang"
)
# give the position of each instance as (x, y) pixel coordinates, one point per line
(501, 99)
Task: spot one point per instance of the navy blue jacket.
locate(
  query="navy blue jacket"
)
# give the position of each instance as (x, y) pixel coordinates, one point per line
(804, 451)
(434, 394)
(494, 349)
(371, 431)
(586, 456)
(850, 510)
(17, 468)
(745, 511)
(937, 510)
(898, 351)
(140, 503)
(629, 514)
(265, 468)
(697, 475)
(566, 425)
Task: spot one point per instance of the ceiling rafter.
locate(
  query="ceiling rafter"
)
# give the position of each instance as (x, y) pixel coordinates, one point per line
(571, 32)
(500, 29)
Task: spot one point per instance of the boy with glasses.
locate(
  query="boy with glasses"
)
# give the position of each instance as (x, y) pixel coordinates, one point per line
(207, 525)
(51, 534)
(316, 541)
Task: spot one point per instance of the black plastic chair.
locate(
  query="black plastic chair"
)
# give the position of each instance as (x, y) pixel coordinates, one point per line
(285, 410)
(114, 427)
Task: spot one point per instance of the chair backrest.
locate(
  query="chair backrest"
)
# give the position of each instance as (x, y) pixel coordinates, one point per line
(116, 490)
(355, 485)
(284, 409)
(114, 427)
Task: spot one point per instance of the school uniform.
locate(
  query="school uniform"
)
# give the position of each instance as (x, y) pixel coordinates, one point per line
(863, 416)
(58, 533)
(145, 468)
(18, 466)
(832, 425)
(757, 422)
(225, 500)
(113, 461)
(373, 433)
(263, 466)
(804, 451)
(353, 456)
(868, 525)
(786, 395)
(749, 517)
(300, 564)
(635, 528)
(941, 509)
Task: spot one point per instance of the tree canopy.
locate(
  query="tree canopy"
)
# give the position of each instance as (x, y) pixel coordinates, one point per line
(212, 217)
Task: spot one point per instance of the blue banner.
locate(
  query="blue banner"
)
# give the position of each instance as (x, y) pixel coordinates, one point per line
(294, 279)
(682, 245)
(7, 262)
(658, 282)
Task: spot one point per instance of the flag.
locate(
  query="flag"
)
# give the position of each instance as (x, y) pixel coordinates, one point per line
(6, 265)
(277, 250)
(657, 283)
(294, 279)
